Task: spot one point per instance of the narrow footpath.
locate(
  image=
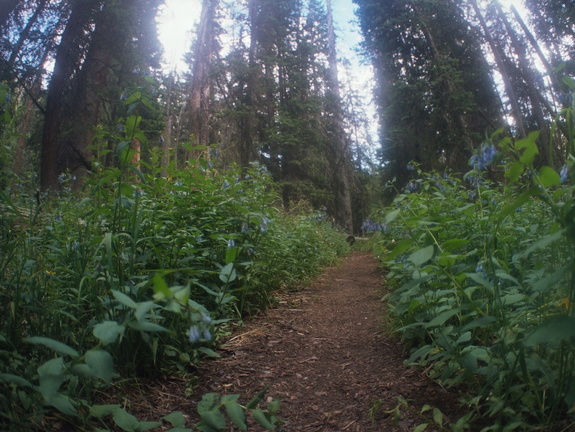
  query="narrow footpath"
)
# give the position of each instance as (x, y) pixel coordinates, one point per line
(327, 353)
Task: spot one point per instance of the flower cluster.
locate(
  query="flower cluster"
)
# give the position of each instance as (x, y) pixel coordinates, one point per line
(370, 226)
(201, 332)
(485, 156)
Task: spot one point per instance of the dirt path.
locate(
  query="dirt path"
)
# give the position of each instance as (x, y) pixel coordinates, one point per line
(326, 353)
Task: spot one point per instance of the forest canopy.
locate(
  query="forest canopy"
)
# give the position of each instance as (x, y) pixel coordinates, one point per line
(264, 83)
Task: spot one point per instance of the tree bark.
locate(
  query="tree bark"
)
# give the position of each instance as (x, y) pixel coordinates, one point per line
(67, 60)
(339, 144)
(201, 88)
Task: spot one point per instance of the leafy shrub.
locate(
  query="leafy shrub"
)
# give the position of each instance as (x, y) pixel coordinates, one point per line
(481, 276)
(137, 277)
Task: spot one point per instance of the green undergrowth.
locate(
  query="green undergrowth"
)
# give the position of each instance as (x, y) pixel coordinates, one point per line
(482, 281)
(140, 275)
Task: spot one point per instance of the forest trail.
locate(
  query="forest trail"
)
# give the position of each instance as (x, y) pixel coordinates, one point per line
(326, 353)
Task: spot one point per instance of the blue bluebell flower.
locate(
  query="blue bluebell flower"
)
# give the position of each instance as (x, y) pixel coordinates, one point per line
(194, 334)
(486, 155)
(564, 174)
(206, 318)
(231, 243)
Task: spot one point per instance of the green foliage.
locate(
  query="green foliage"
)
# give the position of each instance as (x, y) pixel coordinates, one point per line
(482, 284)
(214, 419)
(139, 276)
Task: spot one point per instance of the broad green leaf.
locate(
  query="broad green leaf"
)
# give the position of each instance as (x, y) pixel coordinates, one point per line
(108, 331)
(391, 216)
(209, 402)
(142, 309)
(511, 299)
(14, 379)
(549, 177)
(52, 344)
(99, 411)
(440, 319)
(147, 425)
(101, 363)
(421, 256)
(257, 398)
(421, 427)
(125, 420)
(63, 404)
(274, 406)
(231, 254)
(261, 418)
(479, 322)
(161, 290)
(465, 337)
(209, 352)
(453, 244)
(228, 273)
(176, 419)
(437, 417)
(399, 248)
(214, 418)
(552, 330)
(476, 277)
(528, 145)
(235, 411)
(514, 171)
(147, 326)
(124, 299)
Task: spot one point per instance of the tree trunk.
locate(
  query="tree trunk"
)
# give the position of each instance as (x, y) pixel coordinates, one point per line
(166, 139)
(340, 142)
(201, 83)
(67, 60)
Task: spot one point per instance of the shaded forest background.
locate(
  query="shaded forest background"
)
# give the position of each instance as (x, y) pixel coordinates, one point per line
(81, 82)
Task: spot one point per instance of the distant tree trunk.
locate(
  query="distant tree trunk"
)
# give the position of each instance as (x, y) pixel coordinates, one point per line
(247, 117)
(339, 141)
(499, 59)
(166, 139)
(201, 83)
(68, 57)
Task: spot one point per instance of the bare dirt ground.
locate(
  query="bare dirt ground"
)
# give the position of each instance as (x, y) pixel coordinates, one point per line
(326, 352)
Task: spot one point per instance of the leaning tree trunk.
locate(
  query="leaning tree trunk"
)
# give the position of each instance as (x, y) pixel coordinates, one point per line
(339, 142)
(535, 96)
(499, 60)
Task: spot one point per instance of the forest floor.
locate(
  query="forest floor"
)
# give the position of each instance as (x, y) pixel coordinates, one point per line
(326, 351)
